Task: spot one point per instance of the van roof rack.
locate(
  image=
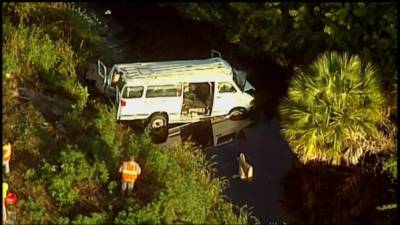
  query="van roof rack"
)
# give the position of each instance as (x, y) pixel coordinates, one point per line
(136, 70)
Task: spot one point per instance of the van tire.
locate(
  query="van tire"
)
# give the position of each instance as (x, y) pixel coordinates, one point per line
(237, 114)
(158, 127)
(158, 121)
(159, 135)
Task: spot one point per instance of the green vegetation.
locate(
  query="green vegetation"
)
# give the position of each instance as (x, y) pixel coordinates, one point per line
(65, 169)
(334, 111)
(35, 210)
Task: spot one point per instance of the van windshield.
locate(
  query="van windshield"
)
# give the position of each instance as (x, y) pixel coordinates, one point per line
(239, 77)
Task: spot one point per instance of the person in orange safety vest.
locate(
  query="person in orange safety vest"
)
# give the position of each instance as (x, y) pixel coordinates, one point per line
(5, 190)
(7, 157)
(130, 171)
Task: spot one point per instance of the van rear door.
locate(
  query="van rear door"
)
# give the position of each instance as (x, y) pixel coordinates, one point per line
(130, 105)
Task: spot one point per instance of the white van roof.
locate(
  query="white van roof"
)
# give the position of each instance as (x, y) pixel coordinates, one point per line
(212, 68)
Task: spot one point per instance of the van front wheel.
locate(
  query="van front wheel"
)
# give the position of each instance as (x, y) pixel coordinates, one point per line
(158, 121)
(237, 114)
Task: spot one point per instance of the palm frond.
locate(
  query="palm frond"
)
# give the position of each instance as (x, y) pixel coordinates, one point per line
(332, 108)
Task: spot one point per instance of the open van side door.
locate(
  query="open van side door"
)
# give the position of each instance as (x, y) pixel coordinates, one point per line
(102, 72)
(117, 102)
(105, 87)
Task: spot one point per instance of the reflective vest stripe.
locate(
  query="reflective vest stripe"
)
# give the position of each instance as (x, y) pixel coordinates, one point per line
(129, 172)
(6, 152)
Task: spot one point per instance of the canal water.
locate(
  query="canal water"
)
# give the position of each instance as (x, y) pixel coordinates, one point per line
(282, 191)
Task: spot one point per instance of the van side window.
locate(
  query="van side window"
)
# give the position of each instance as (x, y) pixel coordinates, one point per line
(170, 90)
(133, 92)
(226, 87)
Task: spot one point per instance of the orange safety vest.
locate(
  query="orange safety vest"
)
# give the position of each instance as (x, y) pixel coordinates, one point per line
(6, 152)
(130, 171)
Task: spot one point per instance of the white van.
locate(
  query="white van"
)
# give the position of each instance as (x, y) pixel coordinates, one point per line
(175, 91)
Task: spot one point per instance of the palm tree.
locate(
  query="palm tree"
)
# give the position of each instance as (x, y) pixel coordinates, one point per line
(334, 111)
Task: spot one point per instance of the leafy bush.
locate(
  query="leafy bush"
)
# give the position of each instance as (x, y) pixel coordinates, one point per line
(30, 175)
(390, 166)
(134, 215)
(60, 179)
(105, 145)
(63, 221)
(25, 131)
(333, 112)
(284, 30)
(36, 211)
(74, 164)
(62, 191)
(100, 171)
(112, 186)
(222, 214)
(29, 47)
(94, 218)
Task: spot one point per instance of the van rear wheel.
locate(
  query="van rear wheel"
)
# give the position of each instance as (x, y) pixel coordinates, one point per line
(158, 128)
(158, 121)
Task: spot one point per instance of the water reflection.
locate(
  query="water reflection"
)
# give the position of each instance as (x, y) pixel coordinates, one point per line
(207, 134)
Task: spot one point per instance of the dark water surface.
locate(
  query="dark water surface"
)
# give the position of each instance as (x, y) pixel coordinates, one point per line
(271, 158)
(282, 190)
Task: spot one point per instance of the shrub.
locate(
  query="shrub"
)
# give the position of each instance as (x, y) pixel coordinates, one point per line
(10, 63)
(111, 187)
(60, 179)
(222, 213)
(100, 172)
(333, 112)
(62, 191)
(35, 210)
(63, 221)
(74, 164)
(133, 215)
(389, 166)
(104, 145)
(39, 50)
(94, 218)
(25, 130)
(30, 175)
(29, 47)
